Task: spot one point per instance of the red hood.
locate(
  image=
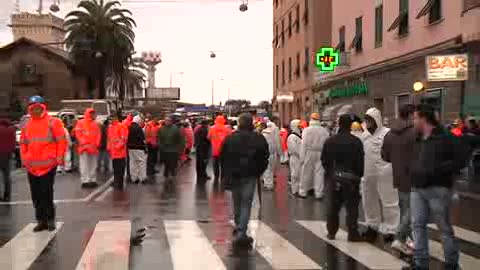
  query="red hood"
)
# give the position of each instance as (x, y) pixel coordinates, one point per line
(220, 121)
(87, 114)
(45, 112)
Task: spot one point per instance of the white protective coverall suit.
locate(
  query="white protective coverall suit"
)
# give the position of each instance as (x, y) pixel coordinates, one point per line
(313, 139)
(377, 183)
(269, 134)
(294, 143)
(68, 155)
(276, 136)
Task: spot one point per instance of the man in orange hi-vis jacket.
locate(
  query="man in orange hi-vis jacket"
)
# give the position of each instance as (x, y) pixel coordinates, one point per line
(151, 136)
(117, 148)
(42, 146)
(217, 135)
(88, 134)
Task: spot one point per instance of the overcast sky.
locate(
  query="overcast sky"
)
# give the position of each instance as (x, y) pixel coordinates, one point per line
(185, 33)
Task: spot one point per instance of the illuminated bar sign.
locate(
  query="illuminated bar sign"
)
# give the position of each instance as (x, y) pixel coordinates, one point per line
(349, 91)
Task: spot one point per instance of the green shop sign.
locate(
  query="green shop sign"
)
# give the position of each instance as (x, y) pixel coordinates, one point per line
(352, 90)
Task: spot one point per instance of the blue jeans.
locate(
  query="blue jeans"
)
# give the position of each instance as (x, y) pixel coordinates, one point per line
(243, 192)
(435, 201)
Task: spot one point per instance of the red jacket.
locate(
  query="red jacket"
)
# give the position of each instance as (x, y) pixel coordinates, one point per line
(151, 133)
(284, 138)
(188, 131)
(8, 134)
(217, 135)
(42, 144)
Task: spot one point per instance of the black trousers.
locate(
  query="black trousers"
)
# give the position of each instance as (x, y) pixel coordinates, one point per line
(171, 164)
(5, 167)
(41, 188)
(217, 170)
(342, 195)
(152, 159)
(118, 165)
(201, 164)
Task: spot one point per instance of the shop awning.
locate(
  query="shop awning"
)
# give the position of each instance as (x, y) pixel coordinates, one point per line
(328, 113)
(347, 108)
(426, 9)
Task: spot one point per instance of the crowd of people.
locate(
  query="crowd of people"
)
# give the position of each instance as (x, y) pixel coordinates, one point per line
(401, 175)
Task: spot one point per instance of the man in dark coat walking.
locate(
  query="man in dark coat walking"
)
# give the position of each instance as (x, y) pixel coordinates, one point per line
(244, 157)
(398, 149)
(202, 147)
(7, 147)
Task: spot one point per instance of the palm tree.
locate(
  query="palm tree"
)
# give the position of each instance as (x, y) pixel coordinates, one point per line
(127, 83)
(100, 34)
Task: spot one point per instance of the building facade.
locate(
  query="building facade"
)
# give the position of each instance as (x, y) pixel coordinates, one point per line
(28, 68)
(300, 28)
(42, 28)
(387, 46)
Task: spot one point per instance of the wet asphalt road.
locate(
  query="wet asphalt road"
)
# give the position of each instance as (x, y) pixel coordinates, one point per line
(187, 227)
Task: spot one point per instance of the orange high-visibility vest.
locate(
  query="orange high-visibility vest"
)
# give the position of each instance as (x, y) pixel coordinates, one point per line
(117, 136)
(217, 135)
(151, 133)
(88, 134)
(42, 144)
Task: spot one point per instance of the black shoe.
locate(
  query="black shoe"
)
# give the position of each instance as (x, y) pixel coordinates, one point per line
(355, 238)
(388, 238)
(370, 235)
(331, 237)
(41, 226)
(244, 241)
(300, 196)
(412, 267)
(51, 226)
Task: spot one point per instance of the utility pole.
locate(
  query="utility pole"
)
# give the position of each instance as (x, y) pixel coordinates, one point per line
(213, 94)
(40, 6)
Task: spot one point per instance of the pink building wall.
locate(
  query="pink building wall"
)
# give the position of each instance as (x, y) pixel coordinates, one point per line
(421, 34)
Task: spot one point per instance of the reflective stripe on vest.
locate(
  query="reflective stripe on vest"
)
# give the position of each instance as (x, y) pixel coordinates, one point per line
(46, 139)
(38, 163)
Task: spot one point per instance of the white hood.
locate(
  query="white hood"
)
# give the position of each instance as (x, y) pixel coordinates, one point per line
(376, 115)
(294, 126)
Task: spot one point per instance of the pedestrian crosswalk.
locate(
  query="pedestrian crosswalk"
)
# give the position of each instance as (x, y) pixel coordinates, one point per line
(108, 247)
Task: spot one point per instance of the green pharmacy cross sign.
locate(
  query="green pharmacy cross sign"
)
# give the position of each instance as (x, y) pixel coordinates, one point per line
(327, 59)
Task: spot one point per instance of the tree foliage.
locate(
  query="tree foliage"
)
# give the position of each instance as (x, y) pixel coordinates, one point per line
(100, 34)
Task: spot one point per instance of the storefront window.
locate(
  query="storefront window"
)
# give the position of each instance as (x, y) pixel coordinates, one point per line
(378, 103)
(434, 98)
(401, 100)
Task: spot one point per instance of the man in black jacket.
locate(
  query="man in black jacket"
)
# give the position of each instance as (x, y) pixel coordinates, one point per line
(343, 160)
(244, 158)
(398, 149)
(437, 157)
(202, 147)
(137, 151)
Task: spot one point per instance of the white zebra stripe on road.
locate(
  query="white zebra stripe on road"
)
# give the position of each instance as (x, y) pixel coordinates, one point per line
(461, 233)
(190, 248)
(467, 262)
(278, 251)
(108, 248)
(365, 253)
(20, 252)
